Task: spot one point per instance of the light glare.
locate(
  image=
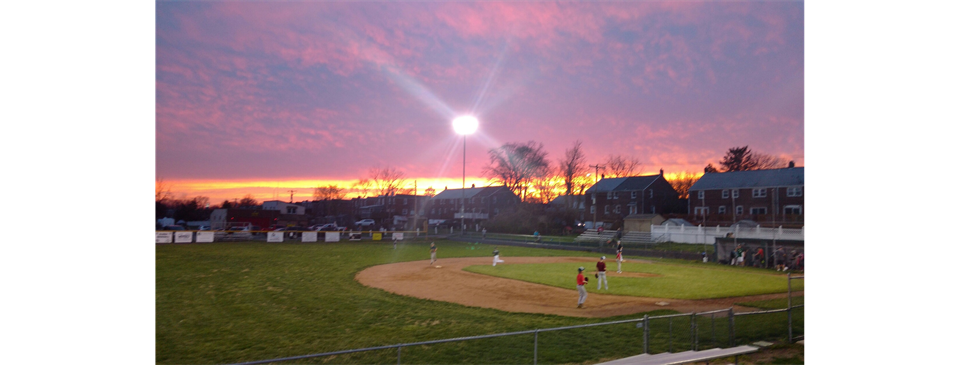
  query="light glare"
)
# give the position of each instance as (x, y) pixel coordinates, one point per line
(465, 125)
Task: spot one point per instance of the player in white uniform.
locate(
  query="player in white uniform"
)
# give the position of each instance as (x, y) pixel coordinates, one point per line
(619, 255)
(496, 256)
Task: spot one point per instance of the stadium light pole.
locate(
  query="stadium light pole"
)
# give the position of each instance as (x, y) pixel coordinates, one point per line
(464, 125)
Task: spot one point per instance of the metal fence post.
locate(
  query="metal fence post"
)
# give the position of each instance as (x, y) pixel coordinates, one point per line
(398, 354)
(732, 332)
(789, 311)
(713, 328)
(646, 334)
(670, 334)
(536, 336)
(693, 331)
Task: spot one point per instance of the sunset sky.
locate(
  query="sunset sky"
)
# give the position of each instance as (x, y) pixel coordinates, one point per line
(267, 97)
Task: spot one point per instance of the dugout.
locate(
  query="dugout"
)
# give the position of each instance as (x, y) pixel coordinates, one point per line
(722, 247)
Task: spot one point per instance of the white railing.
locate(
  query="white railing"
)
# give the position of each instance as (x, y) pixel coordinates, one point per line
(706, 235)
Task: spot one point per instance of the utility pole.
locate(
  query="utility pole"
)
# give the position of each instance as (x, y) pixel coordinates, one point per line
(291, 195)
(596, 171)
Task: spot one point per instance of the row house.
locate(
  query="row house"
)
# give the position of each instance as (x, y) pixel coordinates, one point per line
(761, 195)
(390, 211)
(612, 199)
(479, 203)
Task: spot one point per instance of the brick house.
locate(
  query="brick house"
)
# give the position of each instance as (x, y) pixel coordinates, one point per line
(481, 203)
(774, 196)
(615, 198)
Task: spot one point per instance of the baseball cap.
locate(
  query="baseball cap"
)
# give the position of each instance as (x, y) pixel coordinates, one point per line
(603, 257)
(580, 269)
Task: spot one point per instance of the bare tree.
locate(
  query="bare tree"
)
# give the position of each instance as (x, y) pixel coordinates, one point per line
(766, 162)
(548, 184)
(329, 192)
(387, 180)
(682, 182)
(515, 165)
(743, 159)
(248, 201)
(573, 164)
(622, 166)
(362, 187)
(430, 192)
(163, 191)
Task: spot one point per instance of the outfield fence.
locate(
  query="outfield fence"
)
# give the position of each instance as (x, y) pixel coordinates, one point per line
(649, 335)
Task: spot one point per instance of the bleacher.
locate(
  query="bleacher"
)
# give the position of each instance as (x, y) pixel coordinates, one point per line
(669, 358)
(631, 238)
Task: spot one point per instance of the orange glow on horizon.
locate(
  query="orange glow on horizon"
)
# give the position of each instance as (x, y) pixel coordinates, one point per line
(264, 190)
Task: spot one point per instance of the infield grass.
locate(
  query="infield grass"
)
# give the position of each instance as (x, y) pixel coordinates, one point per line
(668, 280)
(233, 302)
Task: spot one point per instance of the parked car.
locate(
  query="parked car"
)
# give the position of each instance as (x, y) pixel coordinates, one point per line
(329, 227)
(365, 223)
(203, 228)
(173, 228)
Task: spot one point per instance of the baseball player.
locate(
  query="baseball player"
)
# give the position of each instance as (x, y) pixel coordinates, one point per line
(433, 253)
(581, 281)
(619, 255)
(602, 273)
(496, 256)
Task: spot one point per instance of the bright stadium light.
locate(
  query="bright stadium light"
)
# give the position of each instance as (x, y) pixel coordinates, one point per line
(464, 126)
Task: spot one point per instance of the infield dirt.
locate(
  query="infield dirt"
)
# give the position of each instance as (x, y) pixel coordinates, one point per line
(450, 283)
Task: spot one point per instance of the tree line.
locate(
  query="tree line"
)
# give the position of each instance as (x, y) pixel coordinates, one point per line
(523, 167)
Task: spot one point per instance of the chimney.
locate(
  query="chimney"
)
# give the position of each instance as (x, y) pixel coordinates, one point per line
(791, 165)
(661, 172)
(473, 186)
(602, 176)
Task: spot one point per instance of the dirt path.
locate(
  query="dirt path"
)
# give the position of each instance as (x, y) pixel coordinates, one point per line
(450, 283)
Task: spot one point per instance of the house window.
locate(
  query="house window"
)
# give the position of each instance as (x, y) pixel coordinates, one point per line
(701, 211)
(593, 209)
(758, 211)
(633, 195)
(616, 209)
(795, 191)
(606, 209)
(633, 209)
(723, 208)
(739, 210)
(404, 201)
(736, 193)
(700, 194)
(651, 194)
(759, 193)
(726, 194)
(291, 210)
(792, 210)
(616, 195)
(404, 212)
(609, 195)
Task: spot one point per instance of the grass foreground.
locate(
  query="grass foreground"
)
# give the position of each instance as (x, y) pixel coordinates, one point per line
(247, 301)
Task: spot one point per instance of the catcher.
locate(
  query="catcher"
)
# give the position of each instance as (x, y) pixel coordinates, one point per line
(581, 281)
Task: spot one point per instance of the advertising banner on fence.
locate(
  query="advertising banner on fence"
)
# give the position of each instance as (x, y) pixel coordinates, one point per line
(164, 237)
(398, 236)
(204, 237)
(377, 236)
(332, 237)
(183, 237)
(354, 236)
(275, 236)
(308, 237)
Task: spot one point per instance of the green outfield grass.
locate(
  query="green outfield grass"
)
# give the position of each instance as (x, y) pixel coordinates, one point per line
(236, 302)
(671, 280)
